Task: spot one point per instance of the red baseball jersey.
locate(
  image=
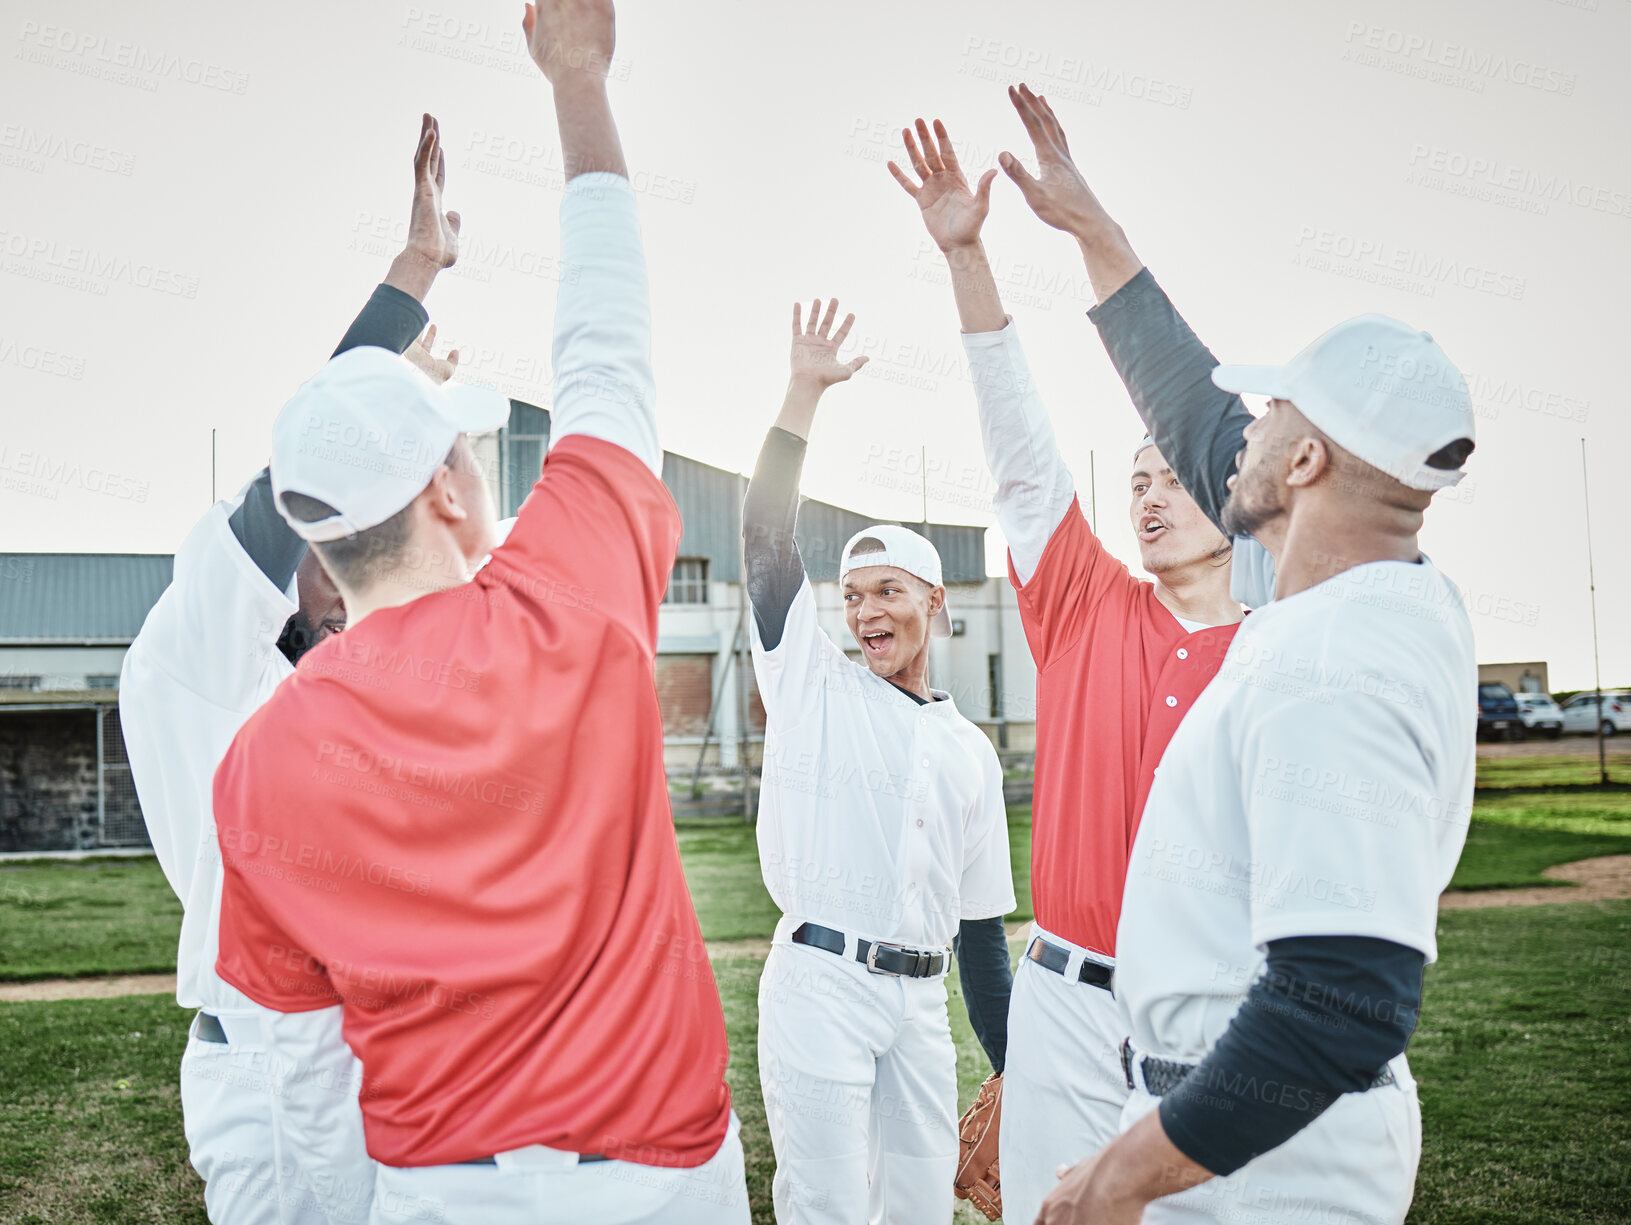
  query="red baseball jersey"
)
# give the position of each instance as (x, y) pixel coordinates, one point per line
(453, 819)
(1116, 673)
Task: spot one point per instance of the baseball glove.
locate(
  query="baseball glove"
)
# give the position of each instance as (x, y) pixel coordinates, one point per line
(976, 1179)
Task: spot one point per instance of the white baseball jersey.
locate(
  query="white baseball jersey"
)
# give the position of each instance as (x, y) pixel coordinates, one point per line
(1320, 786)
(878, 817)
(205, 660)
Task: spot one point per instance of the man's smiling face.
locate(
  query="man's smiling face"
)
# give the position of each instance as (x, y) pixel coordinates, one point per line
(888, 612)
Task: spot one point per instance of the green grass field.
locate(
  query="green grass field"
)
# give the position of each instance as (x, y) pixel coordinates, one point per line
(1526, 1088)
(1577, 769)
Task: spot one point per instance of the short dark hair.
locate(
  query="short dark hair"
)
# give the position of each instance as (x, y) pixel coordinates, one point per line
(868, 544)
(356, 559)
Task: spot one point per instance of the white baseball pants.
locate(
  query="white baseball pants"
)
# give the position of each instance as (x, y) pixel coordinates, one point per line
(233, 1097)
(540, 1186)
(859, 1075)
(1354, 1165)
(1062, 1087)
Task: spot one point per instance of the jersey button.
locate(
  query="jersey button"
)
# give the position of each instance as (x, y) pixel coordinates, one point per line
(1171, 701)
(920, 822)
(925, 761)
(1183, 652)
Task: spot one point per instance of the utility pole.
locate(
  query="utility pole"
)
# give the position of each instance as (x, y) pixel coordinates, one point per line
(923, 467)
(739, 647)
(1596, 659)
(1092, 493)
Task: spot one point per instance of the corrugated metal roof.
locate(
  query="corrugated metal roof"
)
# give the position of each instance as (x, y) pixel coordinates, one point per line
(710, 502)
(78, 597)
(83, 597)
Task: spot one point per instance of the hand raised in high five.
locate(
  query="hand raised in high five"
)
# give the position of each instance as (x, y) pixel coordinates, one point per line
(433, 236)
(1060, 196)
(815, 365)
(431, 232)
(568, 37)
(952, 213)
(815, 347)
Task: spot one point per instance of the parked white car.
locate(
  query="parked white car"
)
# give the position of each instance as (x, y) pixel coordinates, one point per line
(1581, 713)
(1539, 714)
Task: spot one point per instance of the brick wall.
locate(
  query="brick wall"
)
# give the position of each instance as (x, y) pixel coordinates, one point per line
(48, 781)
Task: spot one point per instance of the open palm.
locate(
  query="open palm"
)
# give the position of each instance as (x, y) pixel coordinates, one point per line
(952, 213)
(815, 347)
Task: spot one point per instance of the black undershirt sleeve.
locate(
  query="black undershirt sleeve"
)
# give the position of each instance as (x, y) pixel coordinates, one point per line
(1168, 373)
(1324, 1018)
(391, 320)
(770, 555)
(981, 949)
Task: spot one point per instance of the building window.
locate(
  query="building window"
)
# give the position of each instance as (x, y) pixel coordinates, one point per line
(689, 582)
(102, 681)
(521, 447)
(29, 683)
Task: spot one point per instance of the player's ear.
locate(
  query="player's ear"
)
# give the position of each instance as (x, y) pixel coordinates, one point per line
(441, 497)
(1306, 460)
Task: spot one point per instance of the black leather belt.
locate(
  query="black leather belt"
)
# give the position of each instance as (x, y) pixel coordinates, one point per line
(583, 1159)
(1052, 957)
(1162, 1076)
(209, 1029)
(889, 959)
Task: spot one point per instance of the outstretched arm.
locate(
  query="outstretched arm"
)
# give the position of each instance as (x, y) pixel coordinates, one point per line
(770, 511)
(1034, 488)
(390, 319)
(1167, 370)
(603, 382)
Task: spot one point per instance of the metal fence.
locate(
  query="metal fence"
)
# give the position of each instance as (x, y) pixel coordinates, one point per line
(118, 812)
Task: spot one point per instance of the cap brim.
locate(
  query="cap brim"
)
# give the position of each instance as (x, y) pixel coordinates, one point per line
(940, 624)
(474, 409)
(1267, 381)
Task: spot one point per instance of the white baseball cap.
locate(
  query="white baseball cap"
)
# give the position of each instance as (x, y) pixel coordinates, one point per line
(366, 433)
(1380, 388)
(905, 550)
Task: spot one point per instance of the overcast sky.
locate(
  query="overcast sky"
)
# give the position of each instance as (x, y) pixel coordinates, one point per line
(195, 198)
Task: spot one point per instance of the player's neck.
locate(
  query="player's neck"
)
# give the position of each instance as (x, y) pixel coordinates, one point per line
(914, 677)
(401, 587)
(1328, 538)
(1198, 592)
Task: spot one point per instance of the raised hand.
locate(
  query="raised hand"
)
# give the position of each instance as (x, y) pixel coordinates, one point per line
(815, 347)
(432, 234)
(567, 37)
(1060, 196)
(437, 369)
(952, 213)
(1058, 193)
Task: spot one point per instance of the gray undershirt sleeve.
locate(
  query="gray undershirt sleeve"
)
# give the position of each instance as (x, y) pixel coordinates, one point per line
(981, 949)
(770, 555)
(1168, 374)
(1325, 1017)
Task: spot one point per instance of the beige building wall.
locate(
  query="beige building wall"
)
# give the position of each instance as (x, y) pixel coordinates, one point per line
(1520, 678)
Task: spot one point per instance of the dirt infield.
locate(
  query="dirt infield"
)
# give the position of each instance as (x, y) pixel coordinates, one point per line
(88, 988)
(1604, 879)
(1607, 878)
(1617, 748)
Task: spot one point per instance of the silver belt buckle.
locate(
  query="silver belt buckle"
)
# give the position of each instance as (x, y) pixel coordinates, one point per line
(872, 958)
